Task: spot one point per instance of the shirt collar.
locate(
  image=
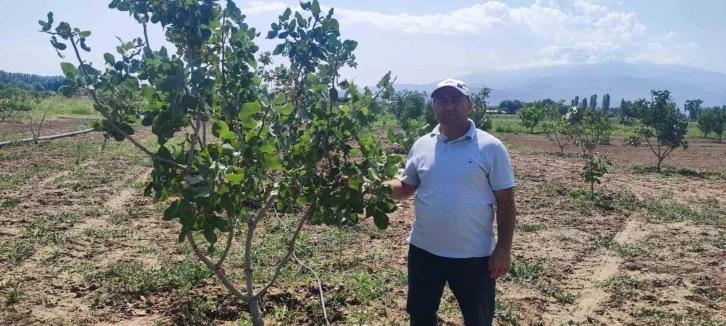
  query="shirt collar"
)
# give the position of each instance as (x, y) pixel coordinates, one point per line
(470, 133)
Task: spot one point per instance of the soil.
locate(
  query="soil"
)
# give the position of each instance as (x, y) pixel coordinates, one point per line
(80, 244)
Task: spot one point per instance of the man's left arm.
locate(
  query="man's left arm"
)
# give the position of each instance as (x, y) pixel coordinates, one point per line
(501, 179)
(500, 261)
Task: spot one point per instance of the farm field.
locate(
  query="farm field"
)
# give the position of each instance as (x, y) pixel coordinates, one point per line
(81, 245)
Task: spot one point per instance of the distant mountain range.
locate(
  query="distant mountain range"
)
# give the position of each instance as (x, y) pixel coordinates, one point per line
(620, 80)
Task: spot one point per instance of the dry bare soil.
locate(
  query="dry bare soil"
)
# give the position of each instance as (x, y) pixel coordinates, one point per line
(80, 245)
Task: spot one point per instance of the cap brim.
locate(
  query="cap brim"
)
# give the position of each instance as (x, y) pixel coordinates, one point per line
(448, 86)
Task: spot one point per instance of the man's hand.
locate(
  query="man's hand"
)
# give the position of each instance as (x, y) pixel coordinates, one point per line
(499, 262)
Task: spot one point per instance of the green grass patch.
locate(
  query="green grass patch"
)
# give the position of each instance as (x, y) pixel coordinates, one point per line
(691, 318)
(622, 287)
(669, 171)
(16, 250)
(130, 278)
(505, 313)
(529, 227)
(59, 106)
(524, 272)
(9, 202)
(677, 212)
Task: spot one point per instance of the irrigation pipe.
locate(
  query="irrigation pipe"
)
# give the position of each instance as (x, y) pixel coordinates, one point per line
(320, 286)
(28, 140)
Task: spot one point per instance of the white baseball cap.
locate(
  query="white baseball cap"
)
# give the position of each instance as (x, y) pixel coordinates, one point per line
(455, 83)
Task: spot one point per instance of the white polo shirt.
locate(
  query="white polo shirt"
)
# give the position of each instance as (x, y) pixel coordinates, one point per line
(455, 202)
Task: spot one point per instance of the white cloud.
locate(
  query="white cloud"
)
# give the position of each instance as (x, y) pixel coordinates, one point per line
(543, 33)
(259, 7)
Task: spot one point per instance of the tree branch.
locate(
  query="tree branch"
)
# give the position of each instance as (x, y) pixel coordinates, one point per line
(217, 271)
(264, 209)
(651, 147)
(114, 125)
(230, 236)
(248, 259)
(290, 249)
(146, 37)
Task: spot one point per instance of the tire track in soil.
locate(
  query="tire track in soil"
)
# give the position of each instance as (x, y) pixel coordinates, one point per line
(604, 267)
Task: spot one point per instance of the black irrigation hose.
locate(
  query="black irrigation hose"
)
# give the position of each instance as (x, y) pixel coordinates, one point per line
(320, 286)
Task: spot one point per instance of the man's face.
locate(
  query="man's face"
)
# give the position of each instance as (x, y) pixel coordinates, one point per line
(450, 106)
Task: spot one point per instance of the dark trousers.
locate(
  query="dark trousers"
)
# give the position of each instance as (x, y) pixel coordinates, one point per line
(468, 278)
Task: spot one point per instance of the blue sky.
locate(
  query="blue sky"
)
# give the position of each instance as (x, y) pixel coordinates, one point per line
(425, 41)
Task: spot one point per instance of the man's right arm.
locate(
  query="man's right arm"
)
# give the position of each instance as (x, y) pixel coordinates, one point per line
(401, 190)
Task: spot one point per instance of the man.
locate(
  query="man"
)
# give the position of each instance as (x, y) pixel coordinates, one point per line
(459, 174)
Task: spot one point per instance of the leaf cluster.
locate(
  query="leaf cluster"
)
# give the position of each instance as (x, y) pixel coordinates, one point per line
(288, 132)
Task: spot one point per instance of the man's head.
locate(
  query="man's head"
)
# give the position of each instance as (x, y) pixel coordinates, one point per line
(452, 102)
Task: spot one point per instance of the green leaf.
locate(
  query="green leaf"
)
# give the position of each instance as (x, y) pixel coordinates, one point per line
(84, 46)
(126, 128)
(302, 200)
(220, 129)
(268, 147)
(210, 235)
(272, 162)
(300, 20)
(350, 45)
(131, 84)
(355, 182)
(202, 192)
(316, 7)
(69, 69)
(249, 109)
(85, 34)
(60, 46)
(248, 122)
(286, 14)
(235, 178)
(178, 209)
(285, 110)
(109, 58)
(380, 219)
(192, 180)
(227, 150)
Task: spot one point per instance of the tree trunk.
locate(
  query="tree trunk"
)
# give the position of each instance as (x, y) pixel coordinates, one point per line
(660, 160)
(255, 312)
(592, 189)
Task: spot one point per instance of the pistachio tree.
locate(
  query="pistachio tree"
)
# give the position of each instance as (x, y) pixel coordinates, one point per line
(557, 128)
(532, 115)
(660, 124)
(282, 136)
(587, 127)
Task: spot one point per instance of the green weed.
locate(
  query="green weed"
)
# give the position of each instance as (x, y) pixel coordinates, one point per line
(17, 250)
(368, 286)
(129, 278)
(677, 212)
(621, 287)
(529, 227)
(10, 202)
(523, 272)
(506, 313)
